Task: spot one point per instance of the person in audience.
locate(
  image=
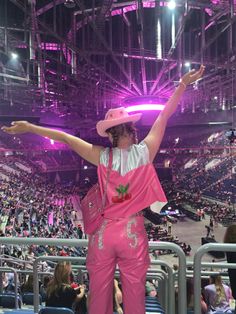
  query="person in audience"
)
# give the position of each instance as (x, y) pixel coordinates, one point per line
(230, 237)
(203, 214)
(188, 249)
(211, 224)
(169, 226)
(10, 283)
(208, 230)
(59, 292)
(217, 296)
(117, 298)
(150, 289)
(28, 286)
(199, 214)
(43, 287)
(190, 297)
(133, 186)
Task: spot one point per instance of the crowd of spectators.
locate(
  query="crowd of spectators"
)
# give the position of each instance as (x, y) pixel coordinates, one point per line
(32, 207)
(60, 288)
(216, 182)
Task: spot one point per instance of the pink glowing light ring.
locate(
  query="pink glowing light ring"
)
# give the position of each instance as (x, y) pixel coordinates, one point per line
(145, 107)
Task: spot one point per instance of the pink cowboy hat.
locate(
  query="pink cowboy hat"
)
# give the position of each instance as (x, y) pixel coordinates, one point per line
(115, 117)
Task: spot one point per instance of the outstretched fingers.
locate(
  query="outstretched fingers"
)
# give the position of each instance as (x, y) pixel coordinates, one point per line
(6, 129)
(200, 71)
(197, 74)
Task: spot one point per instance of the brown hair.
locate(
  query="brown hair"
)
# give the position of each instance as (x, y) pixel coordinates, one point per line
(190, 292)
(230, 234)
(61, 278)
(122, 130)
(28, 285)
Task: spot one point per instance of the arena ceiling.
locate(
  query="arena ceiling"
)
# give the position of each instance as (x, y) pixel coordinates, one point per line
(76, 58)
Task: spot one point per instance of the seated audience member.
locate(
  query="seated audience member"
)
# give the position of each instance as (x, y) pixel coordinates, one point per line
(10, 283)
(59, 291)
(80, 307)
(230, 237)
(117, 298)
(27, 286)
(190, 297)
(43, 287)
(217, 296)
(150, 289)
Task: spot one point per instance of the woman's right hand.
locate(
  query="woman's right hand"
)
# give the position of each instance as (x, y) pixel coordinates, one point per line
(17, 127)
(119, 310)
(192, 76)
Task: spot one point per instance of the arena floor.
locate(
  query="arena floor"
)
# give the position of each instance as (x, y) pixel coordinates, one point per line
(191, 232)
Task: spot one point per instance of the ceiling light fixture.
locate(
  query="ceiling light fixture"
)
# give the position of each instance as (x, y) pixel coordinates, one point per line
(171, 5)
(14, 55)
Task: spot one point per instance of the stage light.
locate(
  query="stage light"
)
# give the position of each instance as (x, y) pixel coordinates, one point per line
(14, 55)
(187, 64)
(145, 107)
(171, 5)
(177, 140)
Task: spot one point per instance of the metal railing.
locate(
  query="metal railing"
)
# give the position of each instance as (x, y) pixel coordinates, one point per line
(198, 265)
(170, 297)
(182, 305)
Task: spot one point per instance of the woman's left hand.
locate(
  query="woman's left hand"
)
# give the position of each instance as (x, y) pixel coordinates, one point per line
(192, 76)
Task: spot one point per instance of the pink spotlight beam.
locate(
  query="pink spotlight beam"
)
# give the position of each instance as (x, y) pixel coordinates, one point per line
(145, 107)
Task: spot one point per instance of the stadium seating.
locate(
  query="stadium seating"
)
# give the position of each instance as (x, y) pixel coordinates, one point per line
(55, 310)
(19, 312)
(7, 300)
(28, 298)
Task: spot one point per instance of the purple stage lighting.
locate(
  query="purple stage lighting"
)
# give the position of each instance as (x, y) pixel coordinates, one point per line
(145, 107)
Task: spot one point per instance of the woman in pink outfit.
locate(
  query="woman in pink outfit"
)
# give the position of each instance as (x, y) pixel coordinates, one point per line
(133, 185)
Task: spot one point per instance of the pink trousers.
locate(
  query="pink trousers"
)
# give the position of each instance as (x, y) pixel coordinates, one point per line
(124, 243)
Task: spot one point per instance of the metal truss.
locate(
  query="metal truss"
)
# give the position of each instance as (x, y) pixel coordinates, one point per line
(103, 53)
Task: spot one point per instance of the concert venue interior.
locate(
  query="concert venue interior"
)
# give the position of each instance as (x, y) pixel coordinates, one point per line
(63, 65)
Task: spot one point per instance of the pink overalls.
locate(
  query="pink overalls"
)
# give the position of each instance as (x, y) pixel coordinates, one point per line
(121, 239)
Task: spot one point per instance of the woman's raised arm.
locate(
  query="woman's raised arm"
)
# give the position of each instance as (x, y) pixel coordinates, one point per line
(155, 135)
(86, 150)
